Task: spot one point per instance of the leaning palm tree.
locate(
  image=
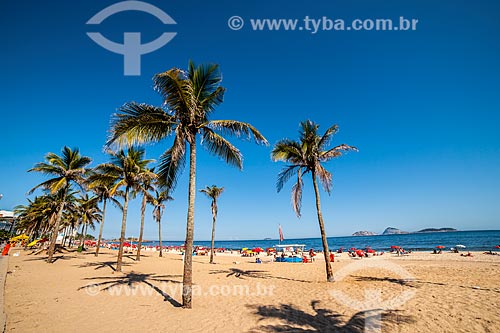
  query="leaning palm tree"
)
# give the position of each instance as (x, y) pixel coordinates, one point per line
(158, 208)
(213, 192)
(306, 155)
(66, 169)
(125, 170)
(102, 186)
(190, 98)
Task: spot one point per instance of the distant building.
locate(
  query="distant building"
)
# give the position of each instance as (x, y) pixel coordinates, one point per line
(6, 220)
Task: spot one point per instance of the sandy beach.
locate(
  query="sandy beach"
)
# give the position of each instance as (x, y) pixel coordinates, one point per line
(418, 293)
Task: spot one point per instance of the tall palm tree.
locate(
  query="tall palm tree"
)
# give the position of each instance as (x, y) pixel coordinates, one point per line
(102, 185)
(190, 98)
(158, 208)
(66, 169)
(144, 187)
(213, 192)
(125, 170)
(303, 156)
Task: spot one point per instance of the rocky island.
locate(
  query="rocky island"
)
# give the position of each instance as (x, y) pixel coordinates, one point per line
(364, 233)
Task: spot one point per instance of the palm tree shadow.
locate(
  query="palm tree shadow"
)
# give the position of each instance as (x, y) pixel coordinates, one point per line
(254, 274)
(403, 282)
(242, 274)
(132, 279)
(54, 259)
(102, 264)
(323, 320)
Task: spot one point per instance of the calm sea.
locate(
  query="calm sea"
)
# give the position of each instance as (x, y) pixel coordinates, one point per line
(473, 240)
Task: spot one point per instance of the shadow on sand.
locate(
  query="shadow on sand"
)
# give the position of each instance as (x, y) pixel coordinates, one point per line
(252, 274)
(132, 280)
(322, 320)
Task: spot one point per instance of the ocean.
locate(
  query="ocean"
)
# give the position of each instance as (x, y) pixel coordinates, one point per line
(483, 240)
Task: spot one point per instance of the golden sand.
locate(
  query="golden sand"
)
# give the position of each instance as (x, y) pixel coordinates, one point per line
(416, 293)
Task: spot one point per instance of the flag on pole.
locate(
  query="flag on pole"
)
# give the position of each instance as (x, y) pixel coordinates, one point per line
(281, 233)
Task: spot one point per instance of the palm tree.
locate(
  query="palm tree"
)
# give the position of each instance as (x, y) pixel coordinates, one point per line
(190, 98)
(158, 207)
(67, 169)
(144, 187)
(102, 185)
(306, 155)
(213, 192)
(88, 212)
(124, 170)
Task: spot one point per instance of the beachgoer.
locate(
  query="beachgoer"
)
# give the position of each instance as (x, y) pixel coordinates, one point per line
(312, 254)
(6, 249)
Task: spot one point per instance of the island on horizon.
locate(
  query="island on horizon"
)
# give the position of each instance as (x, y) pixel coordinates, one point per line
(396, 231)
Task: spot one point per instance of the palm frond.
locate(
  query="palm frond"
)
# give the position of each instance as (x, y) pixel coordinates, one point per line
(136, 124)
(284, 175)
(325, 177)
(237, 129)
(171, 164)
(337, 152)
(297, 195)
(326, 138)
(219, 146)
(288, 151)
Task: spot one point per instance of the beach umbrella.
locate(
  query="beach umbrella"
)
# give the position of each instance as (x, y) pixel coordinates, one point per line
(497, 247)
(395, 247)
(460, 246)
(19, 238)
(127, 244)
(33, 243)
(440, 247)
(352, 249)
(258, 250)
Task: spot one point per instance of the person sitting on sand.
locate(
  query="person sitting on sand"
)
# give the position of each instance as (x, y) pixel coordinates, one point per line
(466, 255)
(258, 261)
(490, 252)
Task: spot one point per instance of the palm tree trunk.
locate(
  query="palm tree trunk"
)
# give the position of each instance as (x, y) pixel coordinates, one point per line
(122, 234)
(214, 219)
(326, 251)
(82, 242)
(159, 237)
(55, 231)
(101, 228)
(139, 244)
(187, 279)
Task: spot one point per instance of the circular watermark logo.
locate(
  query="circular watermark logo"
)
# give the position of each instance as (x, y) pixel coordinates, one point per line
(373, 305)
(235, 23)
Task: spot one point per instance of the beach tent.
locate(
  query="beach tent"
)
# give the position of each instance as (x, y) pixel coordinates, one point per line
(295, 252)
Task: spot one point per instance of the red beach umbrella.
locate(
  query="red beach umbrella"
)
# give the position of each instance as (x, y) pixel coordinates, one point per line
(126, 244)
(258, 250)
(440, 247)
(352, 249)
(395, 247)
(497, 247)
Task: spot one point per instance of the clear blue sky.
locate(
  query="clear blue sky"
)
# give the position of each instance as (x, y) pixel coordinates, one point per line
(423, 107)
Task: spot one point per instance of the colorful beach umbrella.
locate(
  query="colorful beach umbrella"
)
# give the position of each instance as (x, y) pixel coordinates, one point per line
(33, 243)
(440, 247)
(395, 247)
(19, 238)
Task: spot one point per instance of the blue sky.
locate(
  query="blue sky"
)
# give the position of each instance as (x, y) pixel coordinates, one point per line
(422, 107)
